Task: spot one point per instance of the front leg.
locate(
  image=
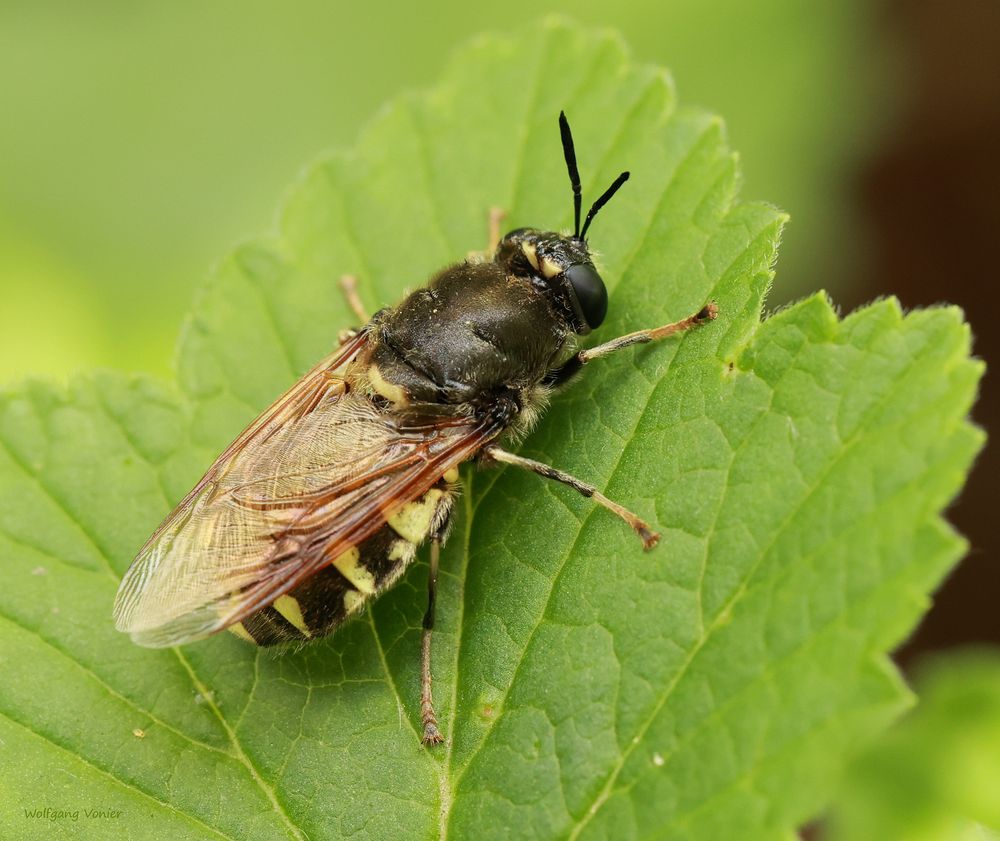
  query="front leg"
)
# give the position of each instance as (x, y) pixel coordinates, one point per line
(561, 374)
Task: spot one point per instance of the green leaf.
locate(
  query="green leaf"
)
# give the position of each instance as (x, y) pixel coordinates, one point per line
(709, 689)
(934, 777)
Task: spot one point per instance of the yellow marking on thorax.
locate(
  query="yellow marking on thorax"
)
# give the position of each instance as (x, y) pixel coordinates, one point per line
(549, 268)
(347, 564)
(451, 475)
(288, 606)
(353, 601)
(413, 520)
(239, 630)
(529, 251)
(390, 391)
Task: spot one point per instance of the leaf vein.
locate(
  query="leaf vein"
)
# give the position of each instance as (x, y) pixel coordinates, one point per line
(114, 778)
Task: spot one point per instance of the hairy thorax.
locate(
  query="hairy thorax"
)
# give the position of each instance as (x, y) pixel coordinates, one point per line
(473, 333)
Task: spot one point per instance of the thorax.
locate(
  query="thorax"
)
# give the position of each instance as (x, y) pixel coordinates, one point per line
(472, 332)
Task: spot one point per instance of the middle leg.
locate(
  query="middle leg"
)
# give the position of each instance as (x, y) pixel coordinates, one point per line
(640, 527)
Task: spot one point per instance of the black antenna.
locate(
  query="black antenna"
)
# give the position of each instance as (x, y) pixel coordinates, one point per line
(574, 173)
(603, 200)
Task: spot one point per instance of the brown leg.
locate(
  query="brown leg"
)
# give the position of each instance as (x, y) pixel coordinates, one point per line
(349, 286)
(646, 534)
(497, 217)
(432, 736)
(495, 232)
(640, 337)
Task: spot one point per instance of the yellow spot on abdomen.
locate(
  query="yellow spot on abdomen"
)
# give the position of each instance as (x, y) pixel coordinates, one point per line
(240, 631)
(347, 563)
(413, 520)
(402, 550)
(288, 606)
(353, 600)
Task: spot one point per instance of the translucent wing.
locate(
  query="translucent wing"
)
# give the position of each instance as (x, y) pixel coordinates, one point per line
(318, 472)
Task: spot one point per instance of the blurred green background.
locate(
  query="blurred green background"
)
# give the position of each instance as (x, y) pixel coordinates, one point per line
(142, 140)
(936, 775)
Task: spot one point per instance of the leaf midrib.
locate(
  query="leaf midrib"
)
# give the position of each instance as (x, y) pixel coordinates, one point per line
(671, 182)
(448, 785)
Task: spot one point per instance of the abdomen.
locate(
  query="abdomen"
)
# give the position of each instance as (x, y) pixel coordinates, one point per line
(323, 602)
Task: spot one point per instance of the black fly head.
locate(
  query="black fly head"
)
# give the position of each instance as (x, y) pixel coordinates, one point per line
(562, 263)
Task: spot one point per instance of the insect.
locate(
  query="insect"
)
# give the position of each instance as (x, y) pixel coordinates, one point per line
(321, 502)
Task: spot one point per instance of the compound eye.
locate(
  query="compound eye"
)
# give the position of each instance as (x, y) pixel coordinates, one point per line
(590, 293)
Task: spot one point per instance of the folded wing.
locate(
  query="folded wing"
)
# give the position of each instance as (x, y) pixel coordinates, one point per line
(317, 473)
